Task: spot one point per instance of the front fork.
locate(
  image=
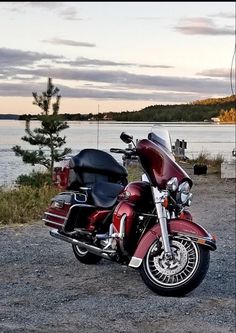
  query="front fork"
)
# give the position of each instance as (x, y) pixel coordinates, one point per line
(159, 197)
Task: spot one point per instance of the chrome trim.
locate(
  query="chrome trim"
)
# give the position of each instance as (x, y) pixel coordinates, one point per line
(148, 214)
(205, 241)
(122, 227)
(135, 262)
(144, 178)
(91, 248)
(172, 184)
(122, 233)
(119, 237)
(70, 193)
(110, 237)
(158, 197)
(69, 211)
(51, 222)
(55, 215)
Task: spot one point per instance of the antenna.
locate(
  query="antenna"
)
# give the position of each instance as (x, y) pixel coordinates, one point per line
(232, 71)
(98, 129)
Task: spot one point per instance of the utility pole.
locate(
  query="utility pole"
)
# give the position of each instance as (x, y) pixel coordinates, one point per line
(98, 129)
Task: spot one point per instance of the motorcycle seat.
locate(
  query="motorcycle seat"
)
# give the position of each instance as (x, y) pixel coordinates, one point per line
(105, 194)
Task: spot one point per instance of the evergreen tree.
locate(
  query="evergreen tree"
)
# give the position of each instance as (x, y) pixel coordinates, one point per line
(47, 136)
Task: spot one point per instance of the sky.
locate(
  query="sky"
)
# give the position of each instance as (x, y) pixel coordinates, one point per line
(115, 56)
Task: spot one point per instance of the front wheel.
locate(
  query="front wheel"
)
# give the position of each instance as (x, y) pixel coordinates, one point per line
(180, 275)
(84, 256)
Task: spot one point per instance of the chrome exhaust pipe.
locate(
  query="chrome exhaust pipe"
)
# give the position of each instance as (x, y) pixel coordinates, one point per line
(91, 248)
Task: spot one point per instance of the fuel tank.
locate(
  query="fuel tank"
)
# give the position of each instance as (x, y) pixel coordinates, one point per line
(136, 197)
(138, 193)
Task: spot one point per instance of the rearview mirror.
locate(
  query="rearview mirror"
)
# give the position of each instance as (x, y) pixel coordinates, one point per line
(126, 138)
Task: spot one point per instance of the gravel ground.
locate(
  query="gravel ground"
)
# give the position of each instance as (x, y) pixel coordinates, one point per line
(45, 289)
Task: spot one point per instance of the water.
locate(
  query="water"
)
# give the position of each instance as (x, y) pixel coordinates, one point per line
(201, 137)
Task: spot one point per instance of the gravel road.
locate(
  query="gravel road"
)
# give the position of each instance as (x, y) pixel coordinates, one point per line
(44, 288)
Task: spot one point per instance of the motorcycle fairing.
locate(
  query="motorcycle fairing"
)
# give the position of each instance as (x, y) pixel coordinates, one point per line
(178, 227)
(159, 165)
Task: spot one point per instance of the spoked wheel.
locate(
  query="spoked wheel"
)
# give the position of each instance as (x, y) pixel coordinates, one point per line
(179, 275)
(84, 256)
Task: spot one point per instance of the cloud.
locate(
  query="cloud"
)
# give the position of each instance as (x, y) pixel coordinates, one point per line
(119, 79)
(125, 95)
(26, 67)
(227, 15)
(215, 72)
(59, 41)
(87, 62)
(202, 26)
(25, 89)
(70, 13)
(63, 10)
(3, 76)
(14, 89)
(10, 58)
(13, 58)
(141, 81)
(23, 5)
(154, 66)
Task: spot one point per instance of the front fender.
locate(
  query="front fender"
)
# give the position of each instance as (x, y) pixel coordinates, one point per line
(178, 227)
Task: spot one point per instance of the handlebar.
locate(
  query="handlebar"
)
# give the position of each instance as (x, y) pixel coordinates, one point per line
(117, 150)
(127, 152)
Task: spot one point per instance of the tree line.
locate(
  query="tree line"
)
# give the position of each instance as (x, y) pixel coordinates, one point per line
(196, 111)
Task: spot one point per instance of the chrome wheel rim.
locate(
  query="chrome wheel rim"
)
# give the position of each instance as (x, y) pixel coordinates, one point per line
(171, 273)
(81, 250)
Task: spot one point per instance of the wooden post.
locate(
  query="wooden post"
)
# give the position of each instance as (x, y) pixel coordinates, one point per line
(179, 148)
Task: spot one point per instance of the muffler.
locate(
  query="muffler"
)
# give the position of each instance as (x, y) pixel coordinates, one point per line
(91, 248)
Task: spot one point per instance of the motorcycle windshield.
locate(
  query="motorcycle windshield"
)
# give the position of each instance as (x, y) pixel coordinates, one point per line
(160, 136)
(158, 162)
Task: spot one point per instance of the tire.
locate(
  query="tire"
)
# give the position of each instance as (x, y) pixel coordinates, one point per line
(180, 275)
(84, 256)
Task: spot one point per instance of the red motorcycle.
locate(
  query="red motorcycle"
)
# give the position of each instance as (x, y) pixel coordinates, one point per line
(143, 224)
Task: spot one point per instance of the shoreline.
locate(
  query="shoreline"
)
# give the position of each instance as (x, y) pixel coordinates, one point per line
(131, 121)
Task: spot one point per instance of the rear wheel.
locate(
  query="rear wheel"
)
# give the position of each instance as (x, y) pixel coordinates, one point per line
(84, 256)
(180, 275)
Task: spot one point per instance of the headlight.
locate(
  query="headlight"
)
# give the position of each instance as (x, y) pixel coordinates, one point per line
(183, 195)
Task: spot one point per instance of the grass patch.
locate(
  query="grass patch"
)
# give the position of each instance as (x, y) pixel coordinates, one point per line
(134, 172)
(31, 198)
(24, 204)
(212, 162)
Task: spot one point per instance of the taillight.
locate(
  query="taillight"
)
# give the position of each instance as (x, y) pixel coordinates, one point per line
(61, 174)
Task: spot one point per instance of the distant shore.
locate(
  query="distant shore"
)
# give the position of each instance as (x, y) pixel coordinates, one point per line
(16, 117)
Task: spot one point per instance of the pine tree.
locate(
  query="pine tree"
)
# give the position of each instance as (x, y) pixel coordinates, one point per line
(47, 136)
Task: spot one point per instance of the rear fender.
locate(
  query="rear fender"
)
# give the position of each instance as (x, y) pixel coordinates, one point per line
(178, 227)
